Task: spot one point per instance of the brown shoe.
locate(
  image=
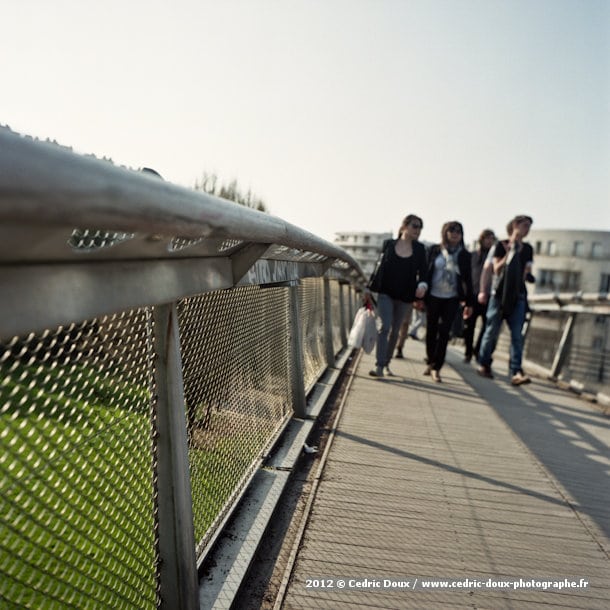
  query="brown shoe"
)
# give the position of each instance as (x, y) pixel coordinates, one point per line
(428, 370)
(485, 371)
(436, 376)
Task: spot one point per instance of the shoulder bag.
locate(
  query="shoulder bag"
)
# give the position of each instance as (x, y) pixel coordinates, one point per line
(374, 284)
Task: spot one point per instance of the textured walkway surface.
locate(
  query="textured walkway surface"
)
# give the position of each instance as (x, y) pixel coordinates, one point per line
(471, 482)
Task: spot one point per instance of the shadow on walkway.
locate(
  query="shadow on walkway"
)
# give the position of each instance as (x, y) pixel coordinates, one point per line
(572, 443)
(449, 468)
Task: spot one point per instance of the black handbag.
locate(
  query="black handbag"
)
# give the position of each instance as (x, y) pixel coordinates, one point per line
(374, 284)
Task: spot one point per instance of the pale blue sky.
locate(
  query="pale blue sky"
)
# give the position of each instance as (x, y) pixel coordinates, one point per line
(340, 114)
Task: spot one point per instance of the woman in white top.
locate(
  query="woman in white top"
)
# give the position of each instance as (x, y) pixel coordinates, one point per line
(450, 281)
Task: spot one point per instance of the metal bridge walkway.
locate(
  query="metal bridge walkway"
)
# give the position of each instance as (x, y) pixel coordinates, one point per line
(470, 479)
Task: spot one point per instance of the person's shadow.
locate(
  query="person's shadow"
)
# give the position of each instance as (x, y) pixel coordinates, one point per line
(570, 442)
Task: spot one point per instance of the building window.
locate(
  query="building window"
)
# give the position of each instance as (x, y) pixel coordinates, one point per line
(552, 279)
(571, 281)
(546, 279)
(604, 283)
(598, 343)
(538, 247)
(596, 250)
(551, 248)
(579, 248)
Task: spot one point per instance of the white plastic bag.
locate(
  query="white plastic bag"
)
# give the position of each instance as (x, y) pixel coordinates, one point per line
(364, 330)
(356, 334)
(370, 332)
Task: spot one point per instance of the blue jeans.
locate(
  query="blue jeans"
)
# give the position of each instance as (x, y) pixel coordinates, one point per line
(492, 330)
(391, 313)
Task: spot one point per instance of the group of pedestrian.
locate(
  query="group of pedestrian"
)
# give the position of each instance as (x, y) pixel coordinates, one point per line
(446, 281)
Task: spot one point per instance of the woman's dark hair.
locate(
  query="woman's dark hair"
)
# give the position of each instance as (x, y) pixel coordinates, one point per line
(485, 233)
(408, 220)
(452, 224)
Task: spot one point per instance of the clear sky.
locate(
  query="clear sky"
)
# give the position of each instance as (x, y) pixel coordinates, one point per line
(340, 114)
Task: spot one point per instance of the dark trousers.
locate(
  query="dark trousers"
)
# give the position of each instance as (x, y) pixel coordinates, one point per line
(470, 324)
(441, 314)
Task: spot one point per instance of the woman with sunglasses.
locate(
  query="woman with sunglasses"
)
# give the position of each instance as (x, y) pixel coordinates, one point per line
(399, 279)
(450, 281)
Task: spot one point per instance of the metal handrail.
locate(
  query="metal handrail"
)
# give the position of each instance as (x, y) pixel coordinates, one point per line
(579, 302)
(45, 185)
(48, 194)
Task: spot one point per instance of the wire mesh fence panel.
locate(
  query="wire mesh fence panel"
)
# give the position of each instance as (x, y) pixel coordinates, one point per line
(544, 336)
(588, 357)
(77, 484)
(311, 306)
(235, 356)
(335, 315)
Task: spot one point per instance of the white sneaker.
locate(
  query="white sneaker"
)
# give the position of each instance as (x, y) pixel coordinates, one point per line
(519, 378)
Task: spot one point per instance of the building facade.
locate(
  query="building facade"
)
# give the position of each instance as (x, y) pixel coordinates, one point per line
(571, 260)
(363, 246)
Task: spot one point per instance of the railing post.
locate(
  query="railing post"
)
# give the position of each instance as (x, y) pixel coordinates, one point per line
(343, 322)
(297, 383)
(564, 347)
(328, 325)
(352, 308)
(178, 564)
(602, 360)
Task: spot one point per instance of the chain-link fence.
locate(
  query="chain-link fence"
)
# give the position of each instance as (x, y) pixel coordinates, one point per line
(78, 430)
(235, 352)
(581, 355)
(311, 303)
(77, 472)
(543, 337)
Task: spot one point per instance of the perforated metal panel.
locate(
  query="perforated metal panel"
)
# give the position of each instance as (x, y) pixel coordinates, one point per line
(77, 490)
(235, 353)
(311, 307)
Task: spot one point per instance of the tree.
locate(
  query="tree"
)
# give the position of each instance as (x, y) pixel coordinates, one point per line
(209, 184)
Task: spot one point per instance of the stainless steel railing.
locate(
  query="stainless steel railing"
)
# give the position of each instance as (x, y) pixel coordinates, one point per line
(154, 342)
(567, 336)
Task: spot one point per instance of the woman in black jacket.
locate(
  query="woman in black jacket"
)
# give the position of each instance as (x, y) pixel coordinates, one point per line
(450, 283)
(399, 279)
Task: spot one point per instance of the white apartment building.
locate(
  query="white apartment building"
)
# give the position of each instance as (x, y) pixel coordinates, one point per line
(571, 260)
(363, 246)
